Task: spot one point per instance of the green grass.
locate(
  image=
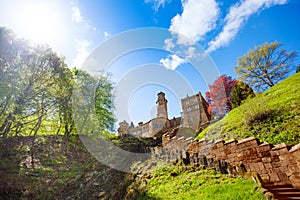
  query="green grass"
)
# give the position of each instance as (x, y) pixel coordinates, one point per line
(272, 116)
(179, 182)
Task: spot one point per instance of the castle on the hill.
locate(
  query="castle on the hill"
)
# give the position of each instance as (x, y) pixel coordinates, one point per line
(194, 116)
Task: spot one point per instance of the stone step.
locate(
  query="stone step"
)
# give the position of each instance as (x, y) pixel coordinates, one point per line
(271, 185)
(287, 194)
(288, 198)
(281, 192)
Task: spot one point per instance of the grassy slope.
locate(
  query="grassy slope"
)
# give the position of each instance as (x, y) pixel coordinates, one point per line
(61, 171)
(273, 116)
(179, 182)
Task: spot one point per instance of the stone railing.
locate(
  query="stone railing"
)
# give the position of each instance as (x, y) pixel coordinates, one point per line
(279, 164)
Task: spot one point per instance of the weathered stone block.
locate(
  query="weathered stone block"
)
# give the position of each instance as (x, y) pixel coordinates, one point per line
(274, 152)
(295, 156)
(266, 154)
(265, 177)
(282, 176)
(264, 147)
(227, 151)
(280, 149)
(239, 158)
(268, 165)
(295, 180)
(231, 155)
(219, 143)
(275, 159)
(274, 177)
(276, 164)
(284, 157)
(248, 142)
(266, 159)
(257, 160)
(257, 167)
(292, 168)
(230, 142)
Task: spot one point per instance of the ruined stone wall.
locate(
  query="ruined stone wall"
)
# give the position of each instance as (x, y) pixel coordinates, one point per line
(279, 164)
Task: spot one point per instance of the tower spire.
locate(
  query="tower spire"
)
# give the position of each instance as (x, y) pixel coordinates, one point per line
(162, 102)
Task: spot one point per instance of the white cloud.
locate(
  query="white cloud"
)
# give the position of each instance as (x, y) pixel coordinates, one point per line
(81, 47)
(172, 62)
(196, 19)
(189, 27)
(169, 44)
(238, 14)
(106, 34)
(80, 20)
(157, 3)
(76, 15)
(191, 52)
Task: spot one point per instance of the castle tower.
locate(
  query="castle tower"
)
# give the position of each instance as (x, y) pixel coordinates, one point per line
(161, 102)
(194, 111)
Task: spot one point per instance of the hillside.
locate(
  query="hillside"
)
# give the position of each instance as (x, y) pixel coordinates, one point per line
(67, 171)
(188, 182)
(272, 116)
(61, 170)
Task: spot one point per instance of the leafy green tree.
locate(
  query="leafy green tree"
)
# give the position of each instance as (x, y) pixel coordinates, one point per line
(104, 103)
(37, 90)
(93, 103)
(265, 65)
(32, 83)
(298, 69)
(239, 93)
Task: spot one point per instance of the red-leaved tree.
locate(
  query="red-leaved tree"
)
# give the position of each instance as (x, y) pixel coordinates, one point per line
(218, 97)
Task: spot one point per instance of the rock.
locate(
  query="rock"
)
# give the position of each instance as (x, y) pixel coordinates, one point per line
(269, 195)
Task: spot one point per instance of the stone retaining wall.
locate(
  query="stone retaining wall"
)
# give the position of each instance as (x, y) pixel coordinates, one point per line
(279, 164)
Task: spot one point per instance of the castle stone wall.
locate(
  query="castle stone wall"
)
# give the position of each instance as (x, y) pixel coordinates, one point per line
(279, 164)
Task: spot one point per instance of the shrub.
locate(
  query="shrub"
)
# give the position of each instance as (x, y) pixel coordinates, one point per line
(256, 110)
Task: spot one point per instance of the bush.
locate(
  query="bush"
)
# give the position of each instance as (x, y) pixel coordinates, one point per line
(256, 111)
(240, 92)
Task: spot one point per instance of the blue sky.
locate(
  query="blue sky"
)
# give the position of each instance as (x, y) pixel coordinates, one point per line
(225, 29)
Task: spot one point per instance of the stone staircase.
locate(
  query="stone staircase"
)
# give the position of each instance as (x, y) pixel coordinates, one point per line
(282, 192)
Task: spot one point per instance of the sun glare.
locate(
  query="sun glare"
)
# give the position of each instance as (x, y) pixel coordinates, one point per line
(40, 22)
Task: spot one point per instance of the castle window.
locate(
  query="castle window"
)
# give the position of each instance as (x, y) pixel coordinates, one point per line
(156, 126)
(197, 106)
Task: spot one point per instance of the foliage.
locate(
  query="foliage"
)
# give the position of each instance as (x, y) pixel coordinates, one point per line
(240, 92)
(93, 103)
(272, 116)
(36, 90)
(104, 103)
(265, 65)
(33, 80)
(180, 182)
(218, 97)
